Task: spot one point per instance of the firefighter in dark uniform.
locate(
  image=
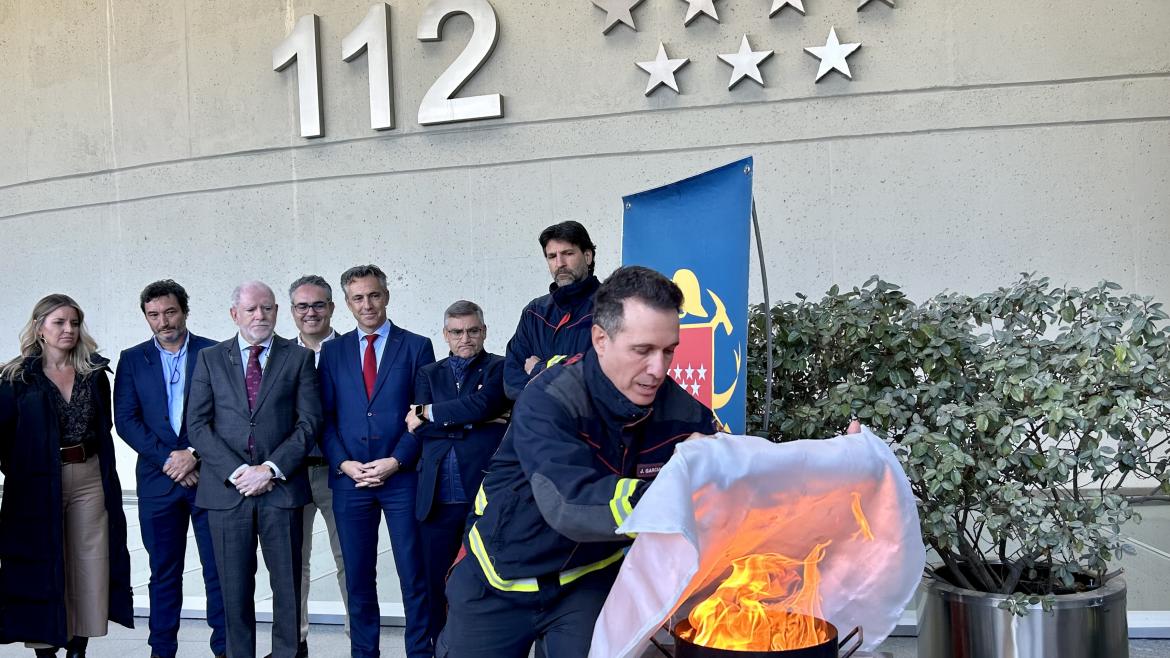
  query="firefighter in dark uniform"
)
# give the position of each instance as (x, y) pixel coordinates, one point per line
(557, 325)
(587, 437)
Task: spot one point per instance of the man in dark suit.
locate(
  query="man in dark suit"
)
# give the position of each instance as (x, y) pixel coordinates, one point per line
(253, 413)
(150, 392)
(459, 415)
(367, 382)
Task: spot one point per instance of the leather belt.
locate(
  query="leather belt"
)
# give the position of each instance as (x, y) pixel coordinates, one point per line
(76, 454)
(315, 461)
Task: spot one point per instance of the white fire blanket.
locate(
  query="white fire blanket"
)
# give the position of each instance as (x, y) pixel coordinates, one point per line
(720, 499)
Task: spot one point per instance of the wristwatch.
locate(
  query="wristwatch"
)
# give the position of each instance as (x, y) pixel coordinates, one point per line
(420, 413)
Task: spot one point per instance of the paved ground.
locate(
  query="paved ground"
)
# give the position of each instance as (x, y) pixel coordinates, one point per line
(329, 641)
(1147, 572)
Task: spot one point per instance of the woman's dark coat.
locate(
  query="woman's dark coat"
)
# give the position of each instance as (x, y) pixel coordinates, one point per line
(32, 560)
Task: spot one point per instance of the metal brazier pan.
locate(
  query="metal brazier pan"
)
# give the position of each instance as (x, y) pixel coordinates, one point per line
(830, 648)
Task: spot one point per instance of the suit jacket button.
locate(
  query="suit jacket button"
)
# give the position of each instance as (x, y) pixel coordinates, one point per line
(370, 414)
(253, 423)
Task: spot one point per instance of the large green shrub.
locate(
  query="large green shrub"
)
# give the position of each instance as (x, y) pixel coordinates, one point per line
(1028, 419)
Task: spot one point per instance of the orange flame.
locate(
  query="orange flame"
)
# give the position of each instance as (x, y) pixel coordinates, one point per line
(770, 602)
(863, 531)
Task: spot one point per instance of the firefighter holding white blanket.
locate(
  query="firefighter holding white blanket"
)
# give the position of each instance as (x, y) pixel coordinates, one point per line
(586, 439)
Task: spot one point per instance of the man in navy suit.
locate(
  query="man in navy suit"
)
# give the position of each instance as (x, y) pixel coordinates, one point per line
(150, 392)
(367, 382)
(459, 415)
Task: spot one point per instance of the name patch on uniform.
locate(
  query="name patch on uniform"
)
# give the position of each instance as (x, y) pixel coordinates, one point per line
(649, 470)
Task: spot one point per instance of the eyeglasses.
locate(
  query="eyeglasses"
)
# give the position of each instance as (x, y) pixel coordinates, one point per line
(474, 332)
(303, 308)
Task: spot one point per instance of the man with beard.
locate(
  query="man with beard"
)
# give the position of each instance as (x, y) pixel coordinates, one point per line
(557, 325)
(150, 393)
(253, 413)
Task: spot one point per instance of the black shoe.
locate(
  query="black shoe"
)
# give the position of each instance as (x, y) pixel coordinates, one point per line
(46, 653)
(75, 648)
(303, 649)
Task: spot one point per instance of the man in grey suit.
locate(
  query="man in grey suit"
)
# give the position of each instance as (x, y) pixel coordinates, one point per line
(254, 412)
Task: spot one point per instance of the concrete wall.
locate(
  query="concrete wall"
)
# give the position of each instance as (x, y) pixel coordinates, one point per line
(150, 138)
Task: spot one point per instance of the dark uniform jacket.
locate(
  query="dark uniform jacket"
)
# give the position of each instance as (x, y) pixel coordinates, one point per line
(32, 555)
(576, 458)
(552, 327)
(466, 418)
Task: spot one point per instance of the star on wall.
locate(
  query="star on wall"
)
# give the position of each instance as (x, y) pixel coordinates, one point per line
(777, 5)
(746, 63)
(700, 6)
(662, 70)
(617, 11)
(866, 2)
(832, 55)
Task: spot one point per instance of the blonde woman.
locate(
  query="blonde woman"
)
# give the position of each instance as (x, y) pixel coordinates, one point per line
(64, 567)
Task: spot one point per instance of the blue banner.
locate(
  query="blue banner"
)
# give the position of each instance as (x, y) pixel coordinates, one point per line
(697, 232)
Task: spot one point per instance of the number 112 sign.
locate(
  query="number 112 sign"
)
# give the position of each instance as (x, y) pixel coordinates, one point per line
(372, 37)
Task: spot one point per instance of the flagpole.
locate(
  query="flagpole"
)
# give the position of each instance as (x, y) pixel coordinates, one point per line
(767, 321)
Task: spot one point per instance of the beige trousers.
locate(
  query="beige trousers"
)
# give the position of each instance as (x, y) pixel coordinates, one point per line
(322, 500)
(87, 550)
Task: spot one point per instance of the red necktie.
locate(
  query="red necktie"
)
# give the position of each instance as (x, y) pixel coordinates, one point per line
(252, 377)
(370, 365)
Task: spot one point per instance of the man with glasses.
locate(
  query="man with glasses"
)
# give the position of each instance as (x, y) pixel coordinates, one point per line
(150, 392)
(460, 415)
(312, 312)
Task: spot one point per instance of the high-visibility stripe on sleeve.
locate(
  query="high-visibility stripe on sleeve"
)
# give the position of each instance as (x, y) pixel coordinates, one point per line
(620, 504)
(485, 564)
(569, 576)
(530, 584)
(555, 360)
(480, 501)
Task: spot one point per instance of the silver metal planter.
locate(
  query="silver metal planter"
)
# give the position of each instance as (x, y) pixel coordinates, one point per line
(961, 623)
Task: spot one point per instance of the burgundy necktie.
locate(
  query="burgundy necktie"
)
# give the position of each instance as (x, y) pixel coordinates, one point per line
(252, 378)
(370, 365)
